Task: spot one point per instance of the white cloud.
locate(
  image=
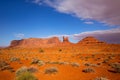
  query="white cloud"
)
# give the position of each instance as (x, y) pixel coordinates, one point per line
(110, 36)
(19, 35)
(89, 22)
(105, 11)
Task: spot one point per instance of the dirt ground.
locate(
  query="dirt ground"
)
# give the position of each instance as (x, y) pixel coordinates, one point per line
(69, 61)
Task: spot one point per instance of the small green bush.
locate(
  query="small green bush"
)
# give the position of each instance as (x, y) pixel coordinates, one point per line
(21, 70)
(25, 73)
(26, 76)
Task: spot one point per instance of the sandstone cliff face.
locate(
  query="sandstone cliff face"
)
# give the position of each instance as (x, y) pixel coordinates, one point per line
(36, 42)
(90, 41)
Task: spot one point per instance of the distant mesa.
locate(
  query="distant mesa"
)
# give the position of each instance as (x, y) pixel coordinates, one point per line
(90, 41)
(53, 41)
(36, 42)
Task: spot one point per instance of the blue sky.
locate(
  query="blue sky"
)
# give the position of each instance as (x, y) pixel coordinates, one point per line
(44, 18)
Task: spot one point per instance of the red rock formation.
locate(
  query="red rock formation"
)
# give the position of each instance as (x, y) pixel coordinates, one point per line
(36, 42)
(66, 41)
(50, 42)
(90, 41)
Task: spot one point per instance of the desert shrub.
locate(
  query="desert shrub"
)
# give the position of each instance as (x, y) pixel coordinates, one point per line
(110, 57)
(75, 64)
(14, 59)
(3, 63)
(32, 69)
(5, 66)
(41, 50)
(116, 67)
(87, 64)
(25, 73)
(93, 56)
(101, 78)
(35, 61)
(26, 76)
(105, 61)
(56, 62)
(51, 70)
(99, 63)
(21, 70)
(88, 70)
(87, 57)
(63, 63)
(60, 50)
(38, 62)
(90, 64)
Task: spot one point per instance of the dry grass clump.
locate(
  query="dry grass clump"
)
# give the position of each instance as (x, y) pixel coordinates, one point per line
(14, 59)
(101, 78)
(38, 62)
(25, 73)
(90, 64)
(116, 67)
(88, 70)
(75, 64)
(5, 66)
(51, 70)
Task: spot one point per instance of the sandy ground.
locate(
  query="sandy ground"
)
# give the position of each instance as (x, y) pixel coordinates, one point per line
(63, 59)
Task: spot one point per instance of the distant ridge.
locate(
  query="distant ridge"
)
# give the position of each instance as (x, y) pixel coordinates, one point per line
(53, 41)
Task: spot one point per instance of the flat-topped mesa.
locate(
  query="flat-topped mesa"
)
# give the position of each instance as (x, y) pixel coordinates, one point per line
(90, 41)
(36, 42)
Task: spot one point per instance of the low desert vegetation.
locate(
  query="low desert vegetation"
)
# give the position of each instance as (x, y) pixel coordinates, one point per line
(25, 73)
(12, 59)
(88, 70)
(75, 64)
(101, 78)
(41, 50)
(116, 67)
(90, 64)
(51, 70)
(38, 62)
(55, 65)
(60, 50)
(5, 66)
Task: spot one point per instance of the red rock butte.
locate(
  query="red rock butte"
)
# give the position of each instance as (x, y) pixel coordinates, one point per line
(90, 41)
